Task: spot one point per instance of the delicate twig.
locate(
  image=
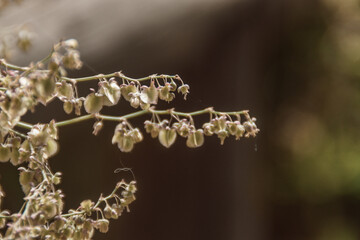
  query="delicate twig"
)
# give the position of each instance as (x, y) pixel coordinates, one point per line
(132, 115)
(11, 66)
(120, 75)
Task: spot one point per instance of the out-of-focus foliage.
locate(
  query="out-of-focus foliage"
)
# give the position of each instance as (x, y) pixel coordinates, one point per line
(319, 130)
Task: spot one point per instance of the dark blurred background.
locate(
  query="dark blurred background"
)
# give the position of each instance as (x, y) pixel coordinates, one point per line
(293, 64)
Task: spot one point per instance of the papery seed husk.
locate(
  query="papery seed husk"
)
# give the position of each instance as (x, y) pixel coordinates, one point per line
(26, 177)
(195, 139)
(93, 103)
(167, 137)
(68, 107)
(66, 90)
(111, 93)
(126, 90)
(5, 153)
(150, 94)
(126, 144)
(52, 147)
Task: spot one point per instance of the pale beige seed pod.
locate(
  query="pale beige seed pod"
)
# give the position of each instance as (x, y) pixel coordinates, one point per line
(167, 136)
(111, 92)
(208, 129)
(93, 103)
(97, 127)
(5, 153)
(127, 89)
(149, 95)
(195, 139)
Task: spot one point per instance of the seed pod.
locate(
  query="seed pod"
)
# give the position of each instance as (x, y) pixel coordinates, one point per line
(150, 94)
(136, 135)
(45, 88)
(251, 128)
(135, 102)
(127, 89)
(97, 127)
(26, 176)
(102, 225)
(195, 139)
(240, 130)
(51, 147)
(208, 129)
(57, 224)
(173, 85)
(111, 93)
(78, 104)
(165, 93)
(126, 144)
(184, 129)
(65, 90)
(93, 103)
(5, 153)
(232, 127)
(70, 43)
(52, 129)
(71, 59)
(184, 89)
(222, 134)
(167, 136)
(107, 212)
(86, 205)
(38, 135)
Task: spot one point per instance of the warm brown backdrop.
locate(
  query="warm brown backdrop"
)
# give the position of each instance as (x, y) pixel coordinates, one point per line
(292, 63)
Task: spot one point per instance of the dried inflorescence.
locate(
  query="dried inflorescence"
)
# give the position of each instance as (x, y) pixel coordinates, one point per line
(23, 88)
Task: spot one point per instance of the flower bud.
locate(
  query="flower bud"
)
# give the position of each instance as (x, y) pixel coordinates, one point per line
(167, 136)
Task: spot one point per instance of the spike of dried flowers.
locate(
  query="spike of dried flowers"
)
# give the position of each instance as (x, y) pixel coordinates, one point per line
(22, 88)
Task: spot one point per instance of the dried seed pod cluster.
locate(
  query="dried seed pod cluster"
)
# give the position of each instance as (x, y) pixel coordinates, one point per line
(23, 88)
(222, 125)
(14, 37)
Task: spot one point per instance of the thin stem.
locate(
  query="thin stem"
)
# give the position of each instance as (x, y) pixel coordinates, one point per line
(133, 115)
(24, 125)
(100, 200)
(120, 75)
(11, 66)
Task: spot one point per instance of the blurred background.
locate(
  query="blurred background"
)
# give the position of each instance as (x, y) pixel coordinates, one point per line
(294, 64)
